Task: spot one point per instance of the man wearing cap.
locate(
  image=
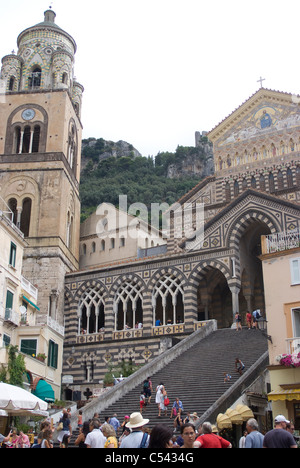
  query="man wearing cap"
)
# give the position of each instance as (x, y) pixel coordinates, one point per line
(279, 437)
(137, 438)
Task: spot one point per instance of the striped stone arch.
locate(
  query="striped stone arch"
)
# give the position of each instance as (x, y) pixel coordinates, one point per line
(131, 277)
(90, 285)
(201, 270)
(239, 225)
(221, 273)
(164, 272)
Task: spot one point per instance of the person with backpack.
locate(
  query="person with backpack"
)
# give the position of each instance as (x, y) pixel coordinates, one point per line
(137, 438)
(256, 316)
(147, 386)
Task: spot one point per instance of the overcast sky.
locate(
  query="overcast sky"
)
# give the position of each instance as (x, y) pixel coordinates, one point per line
(156, 71)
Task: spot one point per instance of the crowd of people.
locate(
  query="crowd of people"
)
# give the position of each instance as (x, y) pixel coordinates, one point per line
(133, 433)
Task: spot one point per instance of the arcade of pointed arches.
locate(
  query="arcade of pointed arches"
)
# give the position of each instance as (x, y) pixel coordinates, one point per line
(219, 290)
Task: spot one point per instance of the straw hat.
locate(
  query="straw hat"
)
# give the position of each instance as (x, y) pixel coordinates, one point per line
(136, 420)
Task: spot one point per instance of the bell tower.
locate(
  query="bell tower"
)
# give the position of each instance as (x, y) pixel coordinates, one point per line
(40, 148)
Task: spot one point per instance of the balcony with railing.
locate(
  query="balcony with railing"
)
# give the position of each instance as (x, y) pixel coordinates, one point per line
(5, 210)
(293, 345)
(281, 241)
(54, 325)
(28, 287)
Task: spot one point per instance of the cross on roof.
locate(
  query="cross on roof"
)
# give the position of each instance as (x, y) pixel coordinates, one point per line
(261, 81)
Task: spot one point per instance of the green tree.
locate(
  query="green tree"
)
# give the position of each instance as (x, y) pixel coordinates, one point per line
(16, 366)
(142, 179)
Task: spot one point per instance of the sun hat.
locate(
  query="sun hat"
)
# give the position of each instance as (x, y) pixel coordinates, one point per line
(136, 420)
(280, 418)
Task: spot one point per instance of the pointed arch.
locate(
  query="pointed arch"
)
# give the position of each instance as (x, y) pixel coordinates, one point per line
(168, 297)
(210, 282)
(241, 223)
(25, 192)
(201, 270)
(91, 308)
(128, 303)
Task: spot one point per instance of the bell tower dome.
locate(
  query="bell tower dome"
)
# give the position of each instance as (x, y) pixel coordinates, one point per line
(45, 60)
(40, 150)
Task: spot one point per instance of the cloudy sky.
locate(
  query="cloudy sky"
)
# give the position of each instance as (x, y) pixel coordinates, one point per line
(156, 71)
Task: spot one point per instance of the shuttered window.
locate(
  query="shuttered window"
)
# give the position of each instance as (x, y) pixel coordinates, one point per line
(53, 354)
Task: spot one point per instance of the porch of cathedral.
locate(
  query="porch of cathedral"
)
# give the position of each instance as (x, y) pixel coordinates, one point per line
(171, 301)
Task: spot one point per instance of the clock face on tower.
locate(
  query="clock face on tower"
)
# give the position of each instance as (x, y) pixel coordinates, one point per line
(28, 114)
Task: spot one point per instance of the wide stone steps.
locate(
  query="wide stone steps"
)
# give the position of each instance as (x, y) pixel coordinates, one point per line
(197, 376)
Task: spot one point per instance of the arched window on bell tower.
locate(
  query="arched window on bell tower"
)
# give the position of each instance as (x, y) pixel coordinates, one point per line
(27, 139)
(11, 84)
(25, 216)
(17, 140)
(70, 225)
(25, 148)
(72, 146)
(13, 205)
(35, 78)
(36, 139)
(65, 78)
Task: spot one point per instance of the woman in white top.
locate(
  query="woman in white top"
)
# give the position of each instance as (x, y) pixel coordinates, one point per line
(159, 398)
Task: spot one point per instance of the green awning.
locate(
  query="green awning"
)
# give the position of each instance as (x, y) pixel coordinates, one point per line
(44, 391)
(31, 303)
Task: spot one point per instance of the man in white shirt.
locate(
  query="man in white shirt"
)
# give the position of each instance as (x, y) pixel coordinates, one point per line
(95, 438)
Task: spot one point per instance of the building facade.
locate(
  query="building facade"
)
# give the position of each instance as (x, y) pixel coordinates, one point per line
(135, 308)
(110, 235)
(281, 267)
(203, 275)
(41, 346)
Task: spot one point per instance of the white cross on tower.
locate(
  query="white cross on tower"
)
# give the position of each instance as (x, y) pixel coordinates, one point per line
(261, 81)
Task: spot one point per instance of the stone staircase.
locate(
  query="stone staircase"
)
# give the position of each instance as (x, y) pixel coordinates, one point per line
(197, 376)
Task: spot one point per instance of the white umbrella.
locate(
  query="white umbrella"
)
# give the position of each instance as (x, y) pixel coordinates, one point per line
(15, 400)
(5, 414)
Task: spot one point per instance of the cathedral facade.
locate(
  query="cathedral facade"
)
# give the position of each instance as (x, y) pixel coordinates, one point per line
(136, 309)
(255, 191)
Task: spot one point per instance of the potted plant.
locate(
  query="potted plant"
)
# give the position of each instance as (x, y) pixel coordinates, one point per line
(108, 380)
(41, 357)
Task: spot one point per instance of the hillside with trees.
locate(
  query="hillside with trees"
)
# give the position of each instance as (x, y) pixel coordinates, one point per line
(112, 169)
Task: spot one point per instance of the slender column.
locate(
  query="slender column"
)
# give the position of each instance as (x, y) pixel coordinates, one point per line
(164, 303)
(124, 315)
(31, 141)
(21, 141)
(97, 319)
(235, 300)
(88, 313)
(174, 301)
(79, 315)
